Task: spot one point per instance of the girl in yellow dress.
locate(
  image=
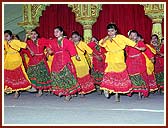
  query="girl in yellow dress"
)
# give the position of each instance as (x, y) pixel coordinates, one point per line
(82, 67)
(23, 52)
(15, 77)
(116, 79)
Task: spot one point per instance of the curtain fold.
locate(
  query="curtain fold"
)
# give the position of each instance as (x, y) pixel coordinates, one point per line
(163, 27)
(126, 17)
(58, 15)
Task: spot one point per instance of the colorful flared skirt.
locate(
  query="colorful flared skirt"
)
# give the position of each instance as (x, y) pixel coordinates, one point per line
(152, 82)
(159, 72)
(139, 84)
(97, 76)
(86, 84)
(160, 80)
(16, 80)
(116, 82)
(64, 82)
(39, 76)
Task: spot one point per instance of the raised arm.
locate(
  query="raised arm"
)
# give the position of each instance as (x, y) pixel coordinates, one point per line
(102, 42)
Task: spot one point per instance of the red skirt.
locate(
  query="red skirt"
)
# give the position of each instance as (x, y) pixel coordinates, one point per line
(86, 84)
(136, 64)
(152, 83)
(15, 80)
(116, 82)
(159, 65)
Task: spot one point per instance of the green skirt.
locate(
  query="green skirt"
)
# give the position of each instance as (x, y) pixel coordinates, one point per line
(64, 82)
(137, 81)
(97, 76)
(160, 78)
(39, 76)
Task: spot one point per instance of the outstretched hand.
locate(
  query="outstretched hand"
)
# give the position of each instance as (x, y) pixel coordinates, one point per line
(104, 40)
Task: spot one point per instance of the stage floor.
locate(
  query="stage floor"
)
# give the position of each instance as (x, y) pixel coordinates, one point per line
(93, 109)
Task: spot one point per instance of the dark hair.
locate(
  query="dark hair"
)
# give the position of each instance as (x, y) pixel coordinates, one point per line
(59, 28)
(64, 34)
(95, 38)
(9, 32)
(162, 39)
(155, 36)
(76, 33)
(17, 37)
(112, 26)
(14, 35)
(139, 35)
(34, 30)
(81, 38)
(133, 31)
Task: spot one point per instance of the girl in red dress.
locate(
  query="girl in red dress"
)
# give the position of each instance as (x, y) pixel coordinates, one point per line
(63, 74)
(38, 71)
(159, 66)
(98, 65)
(136, 66)
(149, 54)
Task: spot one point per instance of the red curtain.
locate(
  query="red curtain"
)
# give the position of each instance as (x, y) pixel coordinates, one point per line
(163, 27)
(58, 14)
(126, 17)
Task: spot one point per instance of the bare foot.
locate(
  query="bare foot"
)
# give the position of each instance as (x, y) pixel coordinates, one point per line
(40, 93)
(117, 97)
(106, 93)
(16, 96)
(67, 98)
(32, 89)
(82, 95)
(60, 94)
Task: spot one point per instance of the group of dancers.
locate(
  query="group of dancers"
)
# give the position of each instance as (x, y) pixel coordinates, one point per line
(71, 67)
